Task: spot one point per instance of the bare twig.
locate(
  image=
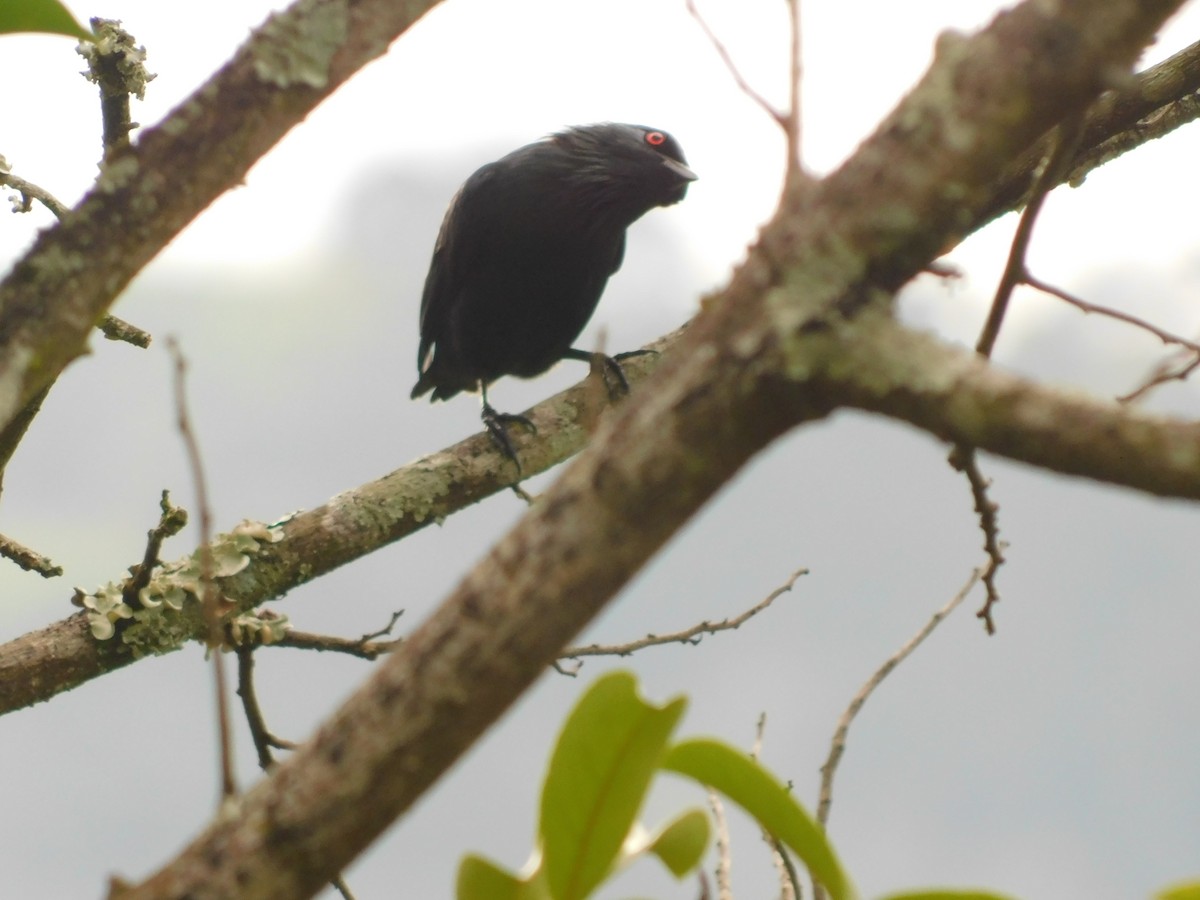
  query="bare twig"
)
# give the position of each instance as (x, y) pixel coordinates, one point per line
(264, 740)
(366, 647)
(170, 522)
(692, 635)
(29, 192)
(723, 873)
(301, 640)
(795, 163)
(760, 728)
(838, 744)
(1168, 370)
(385, 630)
(964, 459)
(789, 878)
(1084, 306)
(210, 599)
(780, 118)
(29, 560)
(1053, 169)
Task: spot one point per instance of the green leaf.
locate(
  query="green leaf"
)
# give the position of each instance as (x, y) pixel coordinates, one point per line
(607, 753)
(479, 879)
(1188, 890)
(757, 791)
(43, 16)
(681, 844)
(947, 895)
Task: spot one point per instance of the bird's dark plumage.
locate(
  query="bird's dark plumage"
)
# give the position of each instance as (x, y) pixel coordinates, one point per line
(526, 248)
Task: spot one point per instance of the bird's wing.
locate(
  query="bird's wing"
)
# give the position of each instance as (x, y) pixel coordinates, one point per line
(438, 296)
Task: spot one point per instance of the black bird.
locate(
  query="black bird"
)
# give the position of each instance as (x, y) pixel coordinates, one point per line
(524, 252)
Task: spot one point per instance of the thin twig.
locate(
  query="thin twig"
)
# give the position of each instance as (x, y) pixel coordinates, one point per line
(1168, 370)
(965, 460)
(264, 741)
(963, 457)
(171, 521)
(693, 635)
(780, 119)
(789, 878)
(838, 745)
(29, 192)
(369, 650)
(211, 600)
(1084, 306)
(723, 872)
(1057, 161)
(760, 729)
(29, 560)
(366, 647)
(1165, 371)
(795, 164)
(113, 328)
(385, 630)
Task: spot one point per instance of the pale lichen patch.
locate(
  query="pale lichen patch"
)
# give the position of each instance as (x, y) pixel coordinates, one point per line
(298, 46)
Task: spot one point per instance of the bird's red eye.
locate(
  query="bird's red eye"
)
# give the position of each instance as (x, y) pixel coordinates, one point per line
(655, 138)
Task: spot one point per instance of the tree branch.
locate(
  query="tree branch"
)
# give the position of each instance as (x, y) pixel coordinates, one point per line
(149, 192)
(968, 401)
(1150, 105)
(43, 663)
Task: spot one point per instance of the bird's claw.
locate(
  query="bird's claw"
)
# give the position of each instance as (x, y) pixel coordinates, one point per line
(497, 424)
(614, 375)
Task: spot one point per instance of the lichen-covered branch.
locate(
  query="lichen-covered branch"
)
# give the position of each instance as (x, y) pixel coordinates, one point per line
(916, 378)
(1146, 107)
(116, 64)
(148, 192)
(46, 662)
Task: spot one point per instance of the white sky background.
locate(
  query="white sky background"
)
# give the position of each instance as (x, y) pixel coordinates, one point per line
(472, 80)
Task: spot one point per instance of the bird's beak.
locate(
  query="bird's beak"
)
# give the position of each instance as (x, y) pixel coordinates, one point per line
(679, 169)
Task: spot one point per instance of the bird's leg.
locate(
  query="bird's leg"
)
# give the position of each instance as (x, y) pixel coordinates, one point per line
(497, 424)
(630, 354)
(611, 372)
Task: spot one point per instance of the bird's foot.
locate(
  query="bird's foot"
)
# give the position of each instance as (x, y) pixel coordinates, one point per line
(614, 375)
(608, 368)
(497, 424)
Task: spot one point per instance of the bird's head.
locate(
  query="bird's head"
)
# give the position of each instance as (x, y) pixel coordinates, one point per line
(643, 165)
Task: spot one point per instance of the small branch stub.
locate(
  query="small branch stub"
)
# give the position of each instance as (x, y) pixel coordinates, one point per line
(118, 66)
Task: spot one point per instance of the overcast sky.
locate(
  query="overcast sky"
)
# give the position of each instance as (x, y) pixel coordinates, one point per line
(1057, 759)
